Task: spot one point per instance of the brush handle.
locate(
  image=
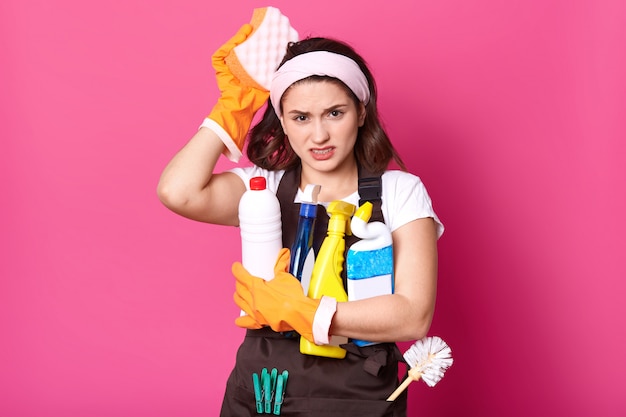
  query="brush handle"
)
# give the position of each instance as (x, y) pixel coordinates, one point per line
(401, 388)
(414, 375)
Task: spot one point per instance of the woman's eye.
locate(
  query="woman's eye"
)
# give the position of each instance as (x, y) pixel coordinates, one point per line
(300, 118)
(335, 113)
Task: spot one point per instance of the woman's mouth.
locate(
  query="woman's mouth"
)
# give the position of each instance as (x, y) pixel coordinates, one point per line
(322, 154)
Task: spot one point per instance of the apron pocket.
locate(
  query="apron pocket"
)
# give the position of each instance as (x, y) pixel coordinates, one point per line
(242, 403)
(337, 407)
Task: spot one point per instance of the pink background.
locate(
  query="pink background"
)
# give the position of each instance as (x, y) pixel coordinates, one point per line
(511, 112)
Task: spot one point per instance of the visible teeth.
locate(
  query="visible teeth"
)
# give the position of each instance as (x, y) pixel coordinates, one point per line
(321, 151)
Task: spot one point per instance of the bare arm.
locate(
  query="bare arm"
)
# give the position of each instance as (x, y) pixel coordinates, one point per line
(407, 314)
(188, 186)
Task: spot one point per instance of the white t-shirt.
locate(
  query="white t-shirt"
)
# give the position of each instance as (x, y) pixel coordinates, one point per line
(404, 196)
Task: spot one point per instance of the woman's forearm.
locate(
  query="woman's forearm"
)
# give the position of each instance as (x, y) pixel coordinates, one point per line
(389, 318)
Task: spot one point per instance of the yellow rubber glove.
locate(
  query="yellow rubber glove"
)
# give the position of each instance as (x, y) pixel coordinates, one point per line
(239, 101)
(279, 303)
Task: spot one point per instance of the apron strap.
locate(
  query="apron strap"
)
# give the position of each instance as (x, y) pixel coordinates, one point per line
(371, 189)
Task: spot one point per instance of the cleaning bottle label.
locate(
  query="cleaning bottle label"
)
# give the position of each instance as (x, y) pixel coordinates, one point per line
(370, 273)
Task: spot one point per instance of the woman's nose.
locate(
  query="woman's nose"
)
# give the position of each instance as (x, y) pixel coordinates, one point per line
(320, 132)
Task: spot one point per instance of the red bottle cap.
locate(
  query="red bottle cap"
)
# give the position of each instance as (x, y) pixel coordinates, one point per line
(258, 183)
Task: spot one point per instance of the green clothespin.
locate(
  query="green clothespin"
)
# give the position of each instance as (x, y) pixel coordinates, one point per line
(281, 383)
(269, 394)
(257, 393)
(266, 383)
(273, 376)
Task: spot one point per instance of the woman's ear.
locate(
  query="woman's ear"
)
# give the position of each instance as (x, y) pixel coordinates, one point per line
(282, 123)
(362, 114)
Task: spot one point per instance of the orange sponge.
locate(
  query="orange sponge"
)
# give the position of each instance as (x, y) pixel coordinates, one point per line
(254, 61)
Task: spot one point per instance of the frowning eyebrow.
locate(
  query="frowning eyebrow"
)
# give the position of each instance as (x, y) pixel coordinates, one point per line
(307, 113)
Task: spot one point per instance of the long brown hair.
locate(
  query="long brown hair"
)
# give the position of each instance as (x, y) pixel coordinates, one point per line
(269, 148)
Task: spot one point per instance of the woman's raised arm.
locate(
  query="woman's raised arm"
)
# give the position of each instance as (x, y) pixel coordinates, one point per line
(188, 186)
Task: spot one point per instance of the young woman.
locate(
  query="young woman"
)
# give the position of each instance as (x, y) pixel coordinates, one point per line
(321, 126)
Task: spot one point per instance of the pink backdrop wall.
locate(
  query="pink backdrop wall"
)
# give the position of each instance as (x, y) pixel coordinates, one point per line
(511, 112)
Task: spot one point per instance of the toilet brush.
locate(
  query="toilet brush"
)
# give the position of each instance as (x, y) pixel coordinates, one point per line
(428, 359)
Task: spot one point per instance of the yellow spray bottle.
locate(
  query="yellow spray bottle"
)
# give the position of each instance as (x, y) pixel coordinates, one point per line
(326, 275)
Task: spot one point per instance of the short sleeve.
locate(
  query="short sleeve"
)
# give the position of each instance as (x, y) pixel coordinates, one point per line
(405, 199)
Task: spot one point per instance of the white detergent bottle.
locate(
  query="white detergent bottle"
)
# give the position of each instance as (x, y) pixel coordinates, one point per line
(261, 229)
(369, 262)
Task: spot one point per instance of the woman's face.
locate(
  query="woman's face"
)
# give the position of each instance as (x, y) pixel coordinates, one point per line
(321, 121)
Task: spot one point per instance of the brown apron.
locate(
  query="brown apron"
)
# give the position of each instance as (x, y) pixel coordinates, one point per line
(357, 385)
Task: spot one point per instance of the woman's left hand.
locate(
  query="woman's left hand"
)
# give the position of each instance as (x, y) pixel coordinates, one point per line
(279, 303)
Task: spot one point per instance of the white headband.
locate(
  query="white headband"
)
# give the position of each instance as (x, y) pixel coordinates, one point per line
(322, 63)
